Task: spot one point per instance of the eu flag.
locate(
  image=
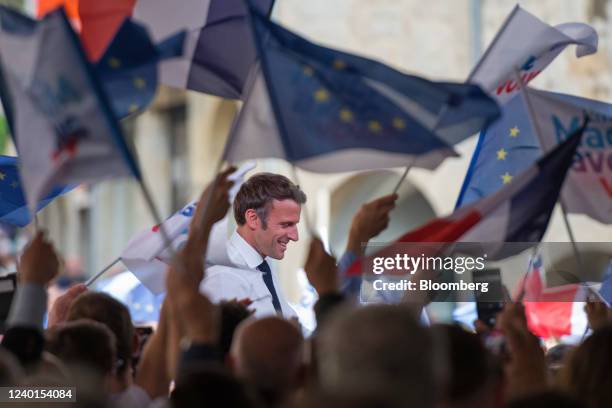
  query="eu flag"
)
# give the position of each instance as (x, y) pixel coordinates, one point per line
(128, 68)
(13, 206)
(326, 100)
(504, 150)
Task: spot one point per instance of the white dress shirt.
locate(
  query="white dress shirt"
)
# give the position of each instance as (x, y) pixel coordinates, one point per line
(244, 280)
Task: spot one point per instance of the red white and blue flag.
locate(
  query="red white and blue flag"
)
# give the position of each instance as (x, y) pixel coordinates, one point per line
(519, 212)
(553, 312)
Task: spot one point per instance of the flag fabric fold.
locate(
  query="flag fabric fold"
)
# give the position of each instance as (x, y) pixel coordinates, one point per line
(128, 68)
(552, 312)
(330, 111)
(60, 119)
(147, 256)
(519, 212)
(219, 50)
(13, 206)
(526, 43)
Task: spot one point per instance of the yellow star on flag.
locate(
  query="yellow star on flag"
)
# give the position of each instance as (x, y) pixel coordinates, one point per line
(114, 62)
(308, 71)
(2, 175)
(14, 184)
(139, 82)
(501, 154)
(133, 108)
(374, 126)
(321, 95)
(346, 115)
(514, 131)
(399, 123)
(506, 177)
(339, 64)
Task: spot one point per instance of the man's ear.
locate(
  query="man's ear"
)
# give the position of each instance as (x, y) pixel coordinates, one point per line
(252, 219)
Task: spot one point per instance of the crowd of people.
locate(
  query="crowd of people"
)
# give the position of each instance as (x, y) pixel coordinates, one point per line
(222, 354)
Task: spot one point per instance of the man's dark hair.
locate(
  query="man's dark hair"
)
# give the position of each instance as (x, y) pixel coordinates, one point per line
(83, 342)
(112, 313)
(205, 384)
(258, 192)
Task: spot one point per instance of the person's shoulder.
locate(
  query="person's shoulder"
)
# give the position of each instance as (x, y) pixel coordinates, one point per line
(226, 278)
(222, 272)
(222, 282)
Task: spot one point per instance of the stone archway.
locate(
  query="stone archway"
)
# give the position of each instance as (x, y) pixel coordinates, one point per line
(413, 208)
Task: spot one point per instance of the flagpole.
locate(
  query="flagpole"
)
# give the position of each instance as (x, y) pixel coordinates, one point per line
(493, 42)
(521, 294)
(414, 159)
(536, 129)
(97, 275)
(401, 180)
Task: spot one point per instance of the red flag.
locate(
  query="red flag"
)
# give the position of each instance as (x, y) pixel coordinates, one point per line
(97, 21)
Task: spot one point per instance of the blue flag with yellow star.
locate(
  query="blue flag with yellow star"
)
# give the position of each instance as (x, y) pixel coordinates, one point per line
(128, 68)
(328, 111)
(504, 149)
(13, 206)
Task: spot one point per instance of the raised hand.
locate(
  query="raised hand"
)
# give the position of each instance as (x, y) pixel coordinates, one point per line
(321, 269)
(371, 219)
(39, 262)
(59, 309)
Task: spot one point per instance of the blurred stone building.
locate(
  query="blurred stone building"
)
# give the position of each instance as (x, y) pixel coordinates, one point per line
(180, 139)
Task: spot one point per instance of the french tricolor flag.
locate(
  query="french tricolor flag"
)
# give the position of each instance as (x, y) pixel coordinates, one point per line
(553, 312)
(519, 212)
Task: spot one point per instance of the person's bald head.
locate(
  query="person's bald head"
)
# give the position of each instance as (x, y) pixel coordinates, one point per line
(268, 353)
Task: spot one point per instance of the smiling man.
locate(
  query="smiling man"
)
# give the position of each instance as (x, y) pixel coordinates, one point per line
(267, 210)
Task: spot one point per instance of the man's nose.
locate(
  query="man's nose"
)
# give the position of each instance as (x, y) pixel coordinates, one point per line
(293, 233)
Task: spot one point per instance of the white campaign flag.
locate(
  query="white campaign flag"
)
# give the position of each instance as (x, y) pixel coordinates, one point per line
(527, 44)
(148, 258)
(64, 128)
(588, 187)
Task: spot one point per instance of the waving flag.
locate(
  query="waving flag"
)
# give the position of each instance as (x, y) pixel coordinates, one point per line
(504, 150)
(128, 68)
(330, 111)
(144, 306)
(219, 50)
(147, 256)
(519, 212)
(552, 312)
(526, 43)
(63, 126)
(13, 207)
(588, 189)
(511, 145)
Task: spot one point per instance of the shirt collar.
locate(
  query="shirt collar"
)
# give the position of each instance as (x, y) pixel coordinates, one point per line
(252, 258)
